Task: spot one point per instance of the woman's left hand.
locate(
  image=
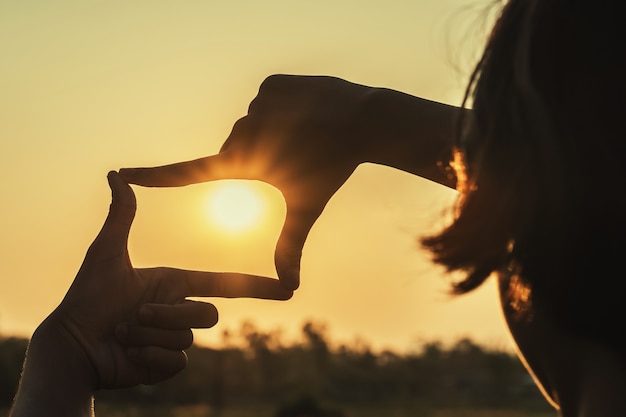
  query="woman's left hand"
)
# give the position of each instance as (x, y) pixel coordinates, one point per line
(131, 325)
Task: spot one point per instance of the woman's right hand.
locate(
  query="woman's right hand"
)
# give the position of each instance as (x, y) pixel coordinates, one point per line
(306, 135)
(303, 134)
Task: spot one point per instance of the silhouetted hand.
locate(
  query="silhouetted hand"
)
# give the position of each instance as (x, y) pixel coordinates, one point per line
(302, 134)
(132, 324)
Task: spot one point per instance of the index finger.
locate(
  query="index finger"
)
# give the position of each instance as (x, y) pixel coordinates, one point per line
(210, 168)
(223, 284)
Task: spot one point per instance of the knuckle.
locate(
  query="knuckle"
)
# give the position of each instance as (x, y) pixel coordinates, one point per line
(272, 82)
(254, 105)
(243, 132)
(210, 315)
(288, 294)
(241, 126)
(177, 294)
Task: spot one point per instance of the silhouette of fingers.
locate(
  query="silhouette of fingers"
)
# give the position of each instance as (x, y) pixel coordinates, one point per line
(112, 239)
(156, 363)
(235, 285)
(186, 283)
(214, 167)
(298, 223)
(136, 335)
(194, 314)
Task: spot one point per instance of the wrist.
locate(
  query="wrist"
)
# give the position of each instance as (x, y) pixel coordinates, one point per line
(58, 379)
(409, 133)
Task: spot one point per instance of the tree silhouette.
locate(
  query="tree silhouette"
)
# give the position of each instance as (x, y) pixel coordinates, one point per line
(304, 375)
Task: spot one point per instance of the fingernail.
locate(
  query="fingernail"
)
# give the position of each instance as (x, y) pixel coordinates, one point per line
(121, 332)
(145, 314)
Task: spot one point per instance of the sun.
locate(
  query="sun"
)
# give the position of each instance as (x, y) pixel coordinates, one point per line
(234, 206)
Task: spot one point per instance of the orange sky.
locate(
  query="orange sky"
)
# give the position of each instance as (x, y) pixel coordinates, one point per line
(89, 86)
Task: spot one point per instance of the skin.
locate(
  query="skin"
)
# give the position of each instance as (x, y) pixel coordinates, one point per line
(120, 326)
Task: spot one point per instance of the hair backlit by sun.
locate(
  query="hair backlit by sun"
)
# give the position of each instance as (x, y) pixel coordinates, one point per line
(234, 206)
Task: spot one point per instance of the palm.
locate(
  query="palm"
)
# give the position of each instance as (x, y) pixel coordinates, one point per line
(108, 291)
(119, 292)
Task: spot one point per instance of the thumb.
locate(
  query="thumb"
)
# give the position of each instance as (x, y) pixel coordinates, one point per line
(113, 236)
(298, 223)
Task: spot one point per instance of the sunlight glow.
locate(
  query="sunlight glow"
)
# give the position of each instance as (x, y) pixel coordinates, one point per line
(234, 206)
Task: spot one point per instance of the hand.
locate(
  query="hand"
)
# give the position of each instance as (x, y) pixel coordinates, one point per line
(156, 319)
(304, 135)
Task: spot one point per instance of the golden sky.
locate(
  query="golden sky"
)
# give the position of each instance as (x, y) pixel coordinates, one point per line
(87, 86)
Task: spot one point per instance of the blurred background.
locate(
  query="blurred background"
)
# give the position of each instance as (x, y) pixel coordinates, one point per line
(87, 86)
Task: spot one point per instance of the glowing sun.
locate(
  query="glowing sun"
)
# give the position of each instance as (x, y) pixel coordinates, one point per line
(234, 205)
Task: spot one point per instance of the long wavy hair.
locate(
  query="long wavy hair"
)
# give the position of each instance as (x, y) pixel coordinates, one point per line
(540, 158)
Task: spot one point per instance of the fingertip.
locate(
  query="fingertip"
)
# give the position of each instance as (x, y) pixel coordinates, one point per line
(121, 191)
(212, 315)
(121, 214)
(206, 314)
(111, 179)
(127, 173)
(284, 288)
(287, 293)
(287, 258)
(290, 285)
(289, 277)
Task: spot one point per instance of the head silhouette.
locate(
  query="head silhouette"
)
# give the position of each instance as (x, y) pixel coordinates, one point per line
(541, 152)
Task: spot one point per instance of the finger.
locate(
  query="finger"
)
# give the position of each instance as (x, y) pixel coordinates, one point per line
(234, 285)
(186, 283)
(157, 364)
(215, 167)
(113, 236)
(288, 254)
(189, 314)
(130, 334)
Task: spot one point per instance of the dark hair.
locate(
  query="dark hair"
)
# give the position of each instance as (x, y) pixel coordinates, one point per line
(541, 152)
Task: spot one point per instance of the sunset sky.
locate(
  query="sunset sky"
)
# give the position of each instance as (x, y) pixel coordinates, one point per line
(87, 86)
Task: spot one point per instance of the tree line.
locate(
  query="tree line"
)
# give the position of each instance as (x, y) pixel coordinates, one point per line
(266, 370)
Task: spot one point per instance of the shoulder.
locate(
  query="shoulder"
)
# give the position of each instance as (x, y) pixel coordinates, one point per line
(581, 377)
